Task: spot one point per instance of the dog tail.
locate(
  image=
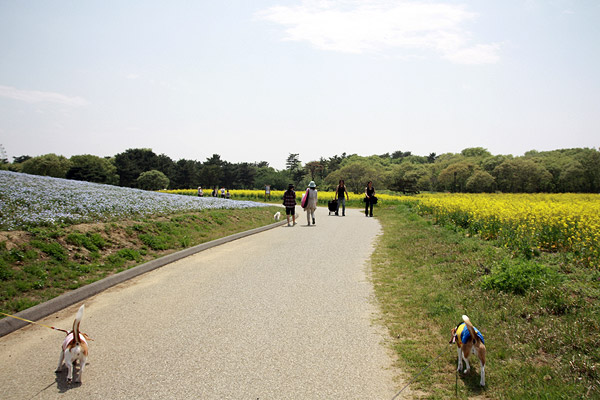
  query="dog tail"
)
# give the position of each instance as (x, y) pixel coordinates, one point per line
(471, 329)
(76, 323)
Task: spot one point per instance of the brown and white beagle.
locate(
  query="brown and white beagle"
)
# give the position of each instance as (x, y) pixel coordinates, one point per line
(74, 349)
(469, 340)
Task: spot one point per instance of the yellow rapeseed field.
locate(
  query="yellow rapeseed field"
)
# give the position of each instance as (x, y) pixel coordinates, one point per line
(527, 222)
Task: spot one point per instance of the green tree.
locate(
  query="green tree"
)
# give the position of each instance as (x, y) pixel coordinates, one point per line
(522, 175)
(294, 166)
(409, 177)
(590, 161)
(132, 162)
(92, 168)
(152, 180)
(47, 165)
(476, 152)
(454, 177)
(185, 175)
(314, 169)
(246, 174)
(278, 180)
(572, 178)
(355, 176)
(20, 159)
(480, 182)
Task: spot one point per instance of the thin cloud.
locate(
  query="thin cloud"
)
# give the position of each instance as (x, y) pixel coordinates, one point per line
(35, 96)
(376, 26)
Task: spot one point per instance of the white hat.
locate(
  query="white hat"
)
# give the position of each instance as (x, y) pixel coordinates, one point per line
(312, 184)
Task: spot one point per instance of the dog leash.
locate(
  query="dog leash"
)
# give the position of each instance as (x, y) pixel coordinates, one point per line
(416, 376)
(36, 323)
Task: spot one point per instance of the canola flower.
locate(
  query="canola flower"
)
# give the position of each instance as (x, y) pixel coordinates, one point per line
(31, 200)
(525, 222)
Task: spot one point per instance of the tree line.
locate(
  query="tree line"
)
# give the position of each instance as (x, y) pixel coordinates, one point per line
(473, 170)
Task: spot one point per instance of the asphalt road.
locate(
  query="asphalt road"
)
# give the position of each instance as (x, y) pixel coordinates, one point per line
(284, 314)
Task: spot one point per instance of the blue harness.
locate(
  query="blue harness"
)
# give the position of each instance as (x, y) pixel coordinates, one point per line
(464, 335)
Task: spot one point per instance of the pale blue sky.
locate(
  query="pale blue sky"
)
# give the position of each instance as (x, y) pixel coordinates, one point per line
(256, 80)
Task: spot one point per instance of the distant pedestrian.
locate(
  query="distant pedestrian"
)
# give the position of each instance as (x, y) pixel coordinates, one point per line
(215, 192)
(267, 192)
(228, 195)
(339, 195)
(223, 192)
(289, 201)
(200, 192)
(311, 202)
(370, 199)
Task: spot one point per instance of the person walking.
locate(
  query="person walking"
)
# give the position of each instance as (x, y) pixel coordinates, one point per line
(370, 199)
(200, 192)
(289, 201)
(339, 195)
(311, 202)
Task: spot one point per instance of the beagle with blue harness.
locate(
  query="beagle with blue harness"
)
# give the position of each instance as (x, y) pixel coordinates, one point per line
(469, 341)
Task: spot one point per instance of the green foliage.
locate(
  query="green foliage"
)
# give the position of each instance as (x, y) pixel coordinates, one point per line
(454, 177)
(564, 170)
(522, 176)
(355, 176)
(6, 271)
(425, 278)
(53, 249)
(47, 165)
(91, 241)
(480, 182)
(152, 180)
(92, 168)
(519, 276)
(155, 242)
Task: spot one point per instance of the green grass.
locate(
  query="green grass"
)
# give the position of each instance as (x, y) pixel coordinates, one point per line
(51, 260)
(540, 317)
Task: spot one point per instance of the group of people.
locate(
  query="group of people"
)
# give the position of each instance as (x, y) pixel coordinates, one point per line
(215, 192)
(309, 201)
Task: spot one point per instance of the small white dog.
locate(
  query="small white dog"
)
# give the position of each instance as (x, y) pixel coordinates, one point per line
(469, 341)
(277, 216)
(74, 349)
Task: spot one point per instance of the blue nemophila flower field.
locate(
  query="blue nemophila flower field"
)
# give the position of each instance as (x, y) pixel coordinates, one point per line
(31, 200)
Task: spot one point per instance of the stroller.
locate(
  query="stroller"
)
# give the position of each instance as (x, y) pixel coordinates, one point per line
(332, 205)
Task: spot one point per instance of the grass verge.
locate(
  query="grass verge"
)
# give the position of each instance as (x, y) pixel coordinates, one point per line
(45, 262)
(540, 317)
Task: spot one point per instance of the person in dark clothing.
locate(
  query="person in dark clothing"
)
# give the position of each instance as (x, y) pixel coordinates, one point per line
(289, 201)
(340, 192)
(369, 199)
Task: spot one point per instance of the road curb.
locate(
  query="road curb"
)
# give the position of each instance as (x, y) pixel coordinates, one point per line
(37, 312)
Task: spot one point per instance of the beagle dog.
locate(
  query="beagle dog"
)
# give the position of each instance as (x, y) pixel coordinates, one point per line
(74, 349)
(469, 340)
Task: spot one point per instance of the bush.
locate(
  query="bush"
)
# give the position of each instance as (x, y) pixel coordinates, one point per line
(152, 180)
(518, 276)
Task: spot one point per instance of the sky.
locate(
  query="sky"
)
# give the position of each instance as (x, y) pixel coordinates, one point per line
(257, 80)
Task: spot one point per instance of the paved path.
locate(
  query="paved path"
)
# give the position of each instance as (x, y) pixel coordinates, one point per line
(284, 314)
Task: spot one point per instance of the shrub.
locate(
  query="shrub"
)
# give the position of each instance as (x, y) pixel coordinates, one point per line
(518, 276)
